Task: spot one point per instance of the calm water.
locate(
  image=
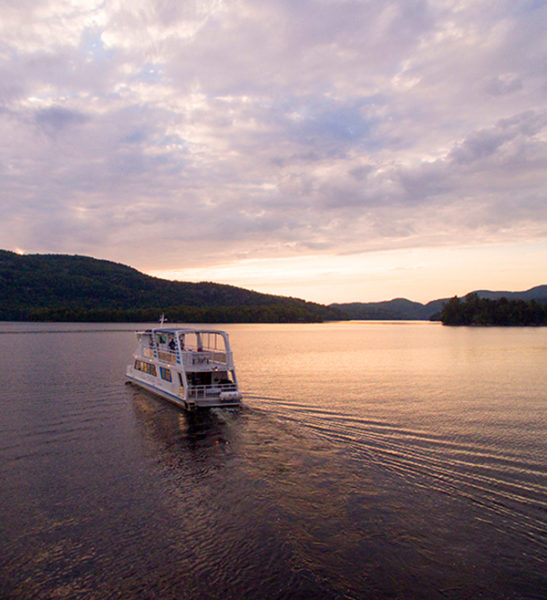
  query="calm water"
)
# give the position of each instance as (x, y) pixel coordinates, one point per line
(371, 460)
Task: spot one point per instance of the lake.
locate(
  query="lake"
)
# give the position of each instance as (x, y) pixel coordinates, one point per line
(377, 460)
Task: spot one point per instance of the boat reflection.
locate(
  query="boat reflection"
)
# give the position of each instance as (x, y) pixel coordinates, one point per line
(173, 435)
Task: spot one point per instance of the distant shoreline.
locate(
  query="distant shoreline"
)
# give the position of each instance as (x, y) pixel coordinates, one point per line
(80, 289)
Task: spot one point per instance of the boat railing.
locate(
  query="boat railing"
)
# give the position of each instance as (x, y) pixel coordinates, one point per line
(202, 391)
(194, 358)
(167, 356)
(191, 358)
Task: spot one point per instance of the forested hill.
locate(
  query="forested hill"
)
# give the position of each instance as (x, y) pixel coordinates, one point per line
(402, 309)
(474, 310)
(58, 287)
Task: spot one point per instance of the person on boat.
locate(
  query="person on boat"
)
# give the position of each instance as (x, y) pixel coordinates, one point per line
(172, 344)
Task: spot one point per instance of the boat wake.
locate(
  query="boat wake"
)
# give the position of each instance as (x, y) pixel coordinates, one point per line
(506, 482)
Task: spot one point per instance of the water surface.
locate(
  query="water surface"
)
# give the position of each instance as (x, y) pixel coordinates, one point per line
(370, 460)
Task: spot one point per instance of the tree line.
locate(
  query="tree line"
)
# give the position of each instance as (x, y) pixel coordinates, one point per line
(78, 288)
(272, 313)
(473, 310)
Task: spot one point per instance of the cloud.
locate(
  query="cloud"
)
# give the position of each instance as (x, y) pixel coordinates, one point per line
(489, 142)
(206, 131)
(56, 119)
(506, 83)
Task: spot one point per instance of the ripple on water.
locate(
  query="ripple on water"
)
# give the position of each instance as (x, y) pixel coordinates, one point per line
(497, 477)
(108, 492)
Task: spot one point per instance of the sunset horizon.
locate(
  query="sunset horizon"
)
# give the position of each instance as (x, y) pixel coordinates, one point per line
(335, 152)
(247, 276)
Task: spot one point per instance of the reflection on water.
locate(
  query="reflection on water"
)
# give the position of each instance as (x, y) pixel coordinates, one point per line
(369, 461)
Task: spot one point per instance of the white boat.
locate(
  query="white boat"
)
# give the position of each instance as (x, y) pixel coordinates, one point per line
(192, 368)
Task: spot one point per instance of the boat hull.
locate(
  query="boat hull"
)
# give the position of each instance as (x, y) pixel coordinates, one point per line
(225, 400)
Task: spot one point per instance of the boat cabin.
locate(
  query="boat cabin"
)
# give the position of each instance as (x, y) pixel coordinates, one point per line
(193, 367)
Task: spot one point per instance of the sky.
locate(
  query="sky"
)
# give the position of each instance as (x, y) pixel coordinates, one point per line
(333, 150)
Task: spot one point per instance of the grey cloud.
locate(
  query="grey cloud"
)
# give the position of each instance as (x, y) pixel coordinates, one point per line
(233, 129)
(486, 142)
(57, 118)
(360, 172)
(503, 84)
(478, 145)
(426, 181)
(264, 47)
(528, 123)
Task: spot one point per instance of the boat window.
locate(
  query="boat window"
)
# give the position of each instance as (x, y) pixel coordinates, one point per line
(145, 367)
(191, 341)
(165, 374)
(212, 341)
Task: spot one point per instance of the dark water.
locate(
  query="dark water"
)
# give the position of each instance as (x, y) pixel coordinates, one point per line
(371, 460)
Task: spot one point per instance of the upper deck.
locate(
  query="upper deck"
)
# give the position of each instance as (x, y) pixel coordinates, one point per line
(193, 349)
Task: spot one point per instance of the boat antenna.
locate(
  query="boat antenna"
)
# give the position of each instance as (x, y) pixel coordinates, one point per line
(162, 319)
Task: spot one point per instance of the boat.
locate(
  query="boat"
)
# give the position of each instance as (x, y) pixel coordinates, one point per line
(192, 368)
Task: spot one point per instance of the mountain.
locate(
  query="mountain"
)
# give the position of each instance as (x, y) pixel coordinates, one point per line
(397, 309)
(403, 309)
(59, 287)
(538, 293)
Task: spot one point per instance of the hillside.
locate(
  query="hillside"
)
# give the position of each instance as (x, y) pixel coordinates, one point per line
(58, 287)
(402, 309)
(397, 309)
(473, 310)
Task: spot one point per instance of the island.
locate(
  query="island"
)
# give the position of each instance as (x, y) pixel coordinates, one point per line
(474, 310)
